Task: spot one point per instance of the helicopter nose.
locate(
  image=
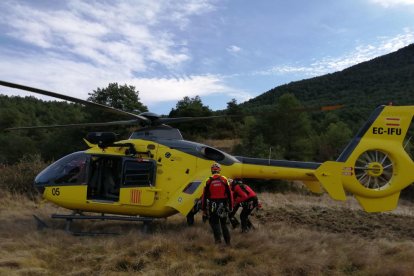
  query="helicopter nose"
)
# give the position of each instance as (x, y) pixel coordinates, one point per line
(68, 168)
(38, 185)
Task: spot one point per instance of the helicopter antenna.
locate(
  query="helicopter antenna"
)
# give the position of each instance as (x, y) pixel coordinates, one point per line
(270, 154)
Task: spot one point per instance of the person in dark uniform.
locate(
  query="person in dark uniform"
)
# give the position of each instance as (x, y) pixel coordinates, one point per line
(217, 203)
(244, 197)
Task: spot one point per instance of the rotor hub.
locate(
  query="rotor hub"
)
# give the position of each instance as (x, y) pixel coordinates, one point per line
(375, 169)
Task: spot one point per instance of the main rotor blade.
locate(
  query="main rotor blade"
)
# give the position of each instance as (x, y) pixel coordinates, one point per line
(186, 119)
(72, 99)
(115, 123)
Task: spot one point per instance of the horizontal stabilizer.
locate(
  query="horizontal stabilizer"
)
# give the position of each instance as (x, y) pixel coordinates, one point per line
(329, 175)
(380, 204)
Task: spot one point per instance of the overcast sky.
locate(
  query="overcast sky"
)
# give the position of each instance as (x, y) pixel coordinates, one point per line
(217, 49)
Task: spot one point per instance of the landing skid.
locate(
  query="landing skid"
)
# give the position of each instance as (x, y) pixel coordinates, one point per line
(80, 216)
(40, 223)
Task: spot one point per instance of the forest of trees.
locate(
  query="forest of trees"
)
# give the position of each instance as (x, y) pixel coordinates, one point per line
(383, 80)
(289, 135)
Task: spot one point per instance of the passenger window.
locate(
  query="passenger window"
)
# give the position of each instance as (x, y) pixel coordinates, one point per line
(139, 173)
(191, 187)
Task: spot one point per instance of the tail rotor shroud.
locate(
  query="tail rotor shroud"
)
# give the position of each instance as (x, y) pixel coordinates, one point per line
(374, 169)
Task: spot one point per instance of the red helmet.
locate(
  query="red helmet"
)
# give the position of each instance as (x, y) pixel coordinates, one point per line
(215, 168)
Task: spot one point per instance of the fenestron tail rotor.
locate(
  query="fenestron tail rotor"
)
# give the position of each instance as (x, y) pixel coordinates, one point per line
(374, 169)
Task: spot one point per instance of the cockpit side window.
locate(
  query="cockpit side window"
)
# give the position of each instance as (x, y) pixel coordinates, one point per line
(69, 170)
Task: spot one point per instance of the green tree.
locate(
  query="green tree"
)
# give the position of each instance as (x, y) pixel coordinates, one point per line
(9, 117)
(279, 133)
(233, 108)
(288, 130)
(122, 97)
(51, 144)
(230, 126)
(333, 141)
(192, 107)
(15, 146)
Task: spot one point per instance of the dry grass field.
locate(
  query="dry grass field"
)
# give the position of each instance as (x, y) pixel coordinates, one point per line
(295, 235)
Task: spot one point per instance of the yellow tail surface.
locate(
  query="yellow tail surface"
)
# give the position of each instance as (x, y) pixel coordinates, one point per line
(376, 165)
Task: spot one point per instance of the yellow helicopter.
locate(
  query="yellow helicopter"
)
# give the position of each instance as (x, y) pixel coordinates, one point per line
(156, 173)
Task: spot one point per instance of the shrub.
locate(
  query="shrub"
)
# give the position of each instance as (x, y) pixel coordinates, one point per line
(18, 178)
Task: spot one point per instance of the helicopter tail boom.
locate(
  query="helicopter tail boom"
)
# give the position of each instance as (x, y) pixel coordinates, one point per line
(312, 174)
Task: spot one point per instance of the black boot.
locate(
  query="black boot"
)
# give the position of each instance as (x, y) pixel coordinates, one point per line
(234, 223)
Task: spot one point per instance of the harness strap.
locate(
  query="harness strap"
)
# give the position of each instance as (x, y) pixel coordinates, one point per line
(243, 187)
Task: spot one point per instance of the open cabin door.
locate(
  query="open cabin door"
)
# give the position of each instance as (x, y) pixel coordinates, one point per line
(105, 176)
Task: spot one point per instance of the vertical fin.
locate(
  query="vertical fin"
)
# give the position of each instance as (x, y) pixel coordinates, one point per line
(329, 175)
(381, 204)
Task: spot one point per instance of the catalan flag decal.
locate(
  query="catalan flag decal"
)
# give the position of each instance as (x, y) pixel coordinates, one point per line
(394, 122)
(136, 196)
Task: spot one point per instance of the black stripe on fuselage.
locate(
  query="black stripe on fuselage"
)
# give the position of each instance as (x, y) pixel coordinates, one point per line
(196, 149)
(279, 163)
(361, 132)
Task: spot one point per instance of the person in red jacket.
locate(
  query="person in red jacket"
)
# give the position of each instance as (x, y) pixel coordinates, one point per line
(245, 197)
(217, 202)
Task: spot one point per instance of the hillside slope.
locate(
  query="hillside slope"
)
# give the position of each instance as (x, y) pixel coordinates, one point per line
(385, 79)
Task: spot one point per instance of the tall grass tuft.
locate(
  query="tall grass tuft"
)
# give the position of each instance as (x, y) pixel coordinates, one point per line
(18, 179)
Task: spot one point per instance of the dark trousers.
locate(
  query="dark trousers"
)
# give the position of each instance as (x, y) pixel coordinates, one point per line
(234, 222)
(248, 207)
(219, 226)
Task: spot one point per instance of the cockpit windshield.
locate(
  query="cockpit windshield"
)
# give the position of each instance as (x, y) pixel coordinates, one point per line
(70, 169)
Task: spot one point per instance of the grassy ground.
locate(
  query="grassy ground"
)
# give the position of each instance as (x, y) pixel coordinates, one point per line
(295, 235)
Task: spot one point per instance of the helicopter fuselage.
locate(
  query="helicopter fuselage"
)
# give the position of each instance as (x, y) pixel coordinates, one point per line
(155, 177)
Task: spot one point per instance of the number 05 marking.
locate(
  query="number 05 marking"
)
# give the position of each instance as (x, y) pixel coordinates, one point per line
(55, 191)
